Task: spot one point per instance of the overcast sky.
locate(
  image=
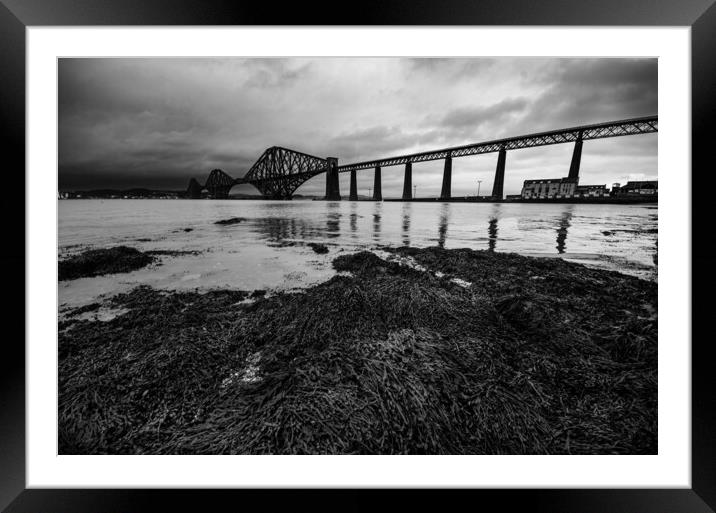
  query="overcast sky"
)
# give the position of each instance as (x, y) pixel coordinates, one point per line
(158, 122)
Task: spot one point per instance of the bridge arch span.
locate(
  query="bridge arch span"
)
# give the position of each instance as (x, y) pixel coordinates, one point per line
(278, 172)
(219, 184)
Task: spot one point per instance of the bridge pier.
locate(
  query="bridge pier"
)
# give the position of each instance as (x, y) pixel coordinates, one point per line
(377, 185)
(354, 187)
(576, 159)
(447, 178)
(329, 185)
(408, 181)
(499, 184)
(333, 191)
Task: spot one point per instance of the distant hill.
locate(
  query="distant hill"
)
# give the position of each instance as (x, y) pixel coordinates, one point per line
(121, 193)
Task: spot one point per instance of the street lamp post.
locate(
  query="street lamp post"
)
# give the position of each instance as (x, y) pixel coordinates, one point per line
(478, 187)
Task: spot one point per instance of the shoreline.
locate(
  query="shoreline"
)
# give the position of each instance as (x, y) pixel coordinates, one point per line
(466, 199)
(485, 199)
(529, 356)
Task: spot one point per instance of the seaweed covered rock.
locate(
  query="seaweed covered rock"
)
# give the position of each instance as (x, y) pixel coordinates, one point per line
(318, 248)
(357, 261)
(368, 262)
(529, 313)
(96, 262)
(231, 220)
(386, 360)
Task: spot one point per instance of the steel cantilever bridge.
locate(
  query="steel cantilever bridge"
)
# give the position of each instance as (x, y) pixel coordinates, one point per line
(280, 171)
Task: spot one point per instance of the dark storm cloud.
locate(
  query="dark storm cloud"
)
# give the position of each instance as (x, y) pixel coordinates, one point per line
(382, 140)
(465, 122)
(584, 91)
(158, 122)
(476, 116)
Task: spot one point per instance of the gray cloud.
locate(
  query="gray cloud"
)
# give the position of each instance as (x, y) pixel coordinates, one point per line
(158, 122)
(476, 116)
(464, 123)
(586, 91)
(274, 73)
(450, 68)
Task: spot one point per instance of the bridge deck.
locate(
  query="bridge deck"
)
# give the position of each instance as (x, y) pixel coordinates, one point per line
(632, 126)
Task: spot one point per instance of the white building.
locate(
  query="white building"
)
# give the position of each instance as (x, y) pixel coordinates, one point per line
(591, 191)
(548, 188)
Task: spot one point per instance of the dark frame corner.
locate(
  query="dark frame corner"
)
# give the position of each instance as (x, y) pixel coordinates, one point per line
(700, 15)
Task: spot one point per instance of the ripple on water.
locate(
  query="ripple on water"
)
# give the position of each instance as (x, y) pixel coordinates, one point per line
(268, 249)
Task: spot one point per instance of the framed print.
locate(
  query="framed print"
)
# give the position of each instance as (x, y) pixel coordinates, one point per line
(421, 251)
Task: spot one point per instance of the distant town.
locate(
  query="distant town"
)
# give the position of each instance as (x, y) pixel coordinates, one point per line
(149, 194)
(567, 188)
(546, 189)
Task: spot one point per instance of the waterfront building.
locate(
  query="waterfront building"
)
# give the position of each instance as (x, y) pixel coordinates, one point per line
(548, 188)
(591, 191)
(638, 187)
(564, 188)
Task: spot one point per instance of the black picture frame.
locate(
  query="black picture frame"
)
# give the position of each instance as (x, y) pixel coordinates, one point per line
(16, 15)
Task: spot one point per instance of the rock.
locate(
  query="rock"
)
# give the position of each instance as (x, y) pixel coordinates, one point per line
(96, 262)
(321, 249)
(231, 220)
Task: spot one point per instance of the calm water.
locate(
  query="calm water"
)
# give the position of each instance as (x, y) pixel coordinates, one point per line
(268, 251)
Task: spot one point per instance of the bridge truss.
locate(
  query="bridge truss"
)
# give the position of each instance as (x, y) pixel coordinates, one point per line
(280, 171)
(219, 184)
(596, 131)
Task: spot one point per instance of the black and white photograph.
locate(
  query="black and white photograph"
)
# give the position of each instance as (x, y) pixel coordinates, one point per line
(357, 255)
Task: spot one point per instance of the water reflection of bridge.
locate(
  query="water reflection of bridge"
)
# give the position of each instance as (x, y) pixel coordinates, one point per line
(407, 207)
(562, 228)
(295, 230)
(492, 231)
(564, 224)
(284, 230)
(280, 171)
